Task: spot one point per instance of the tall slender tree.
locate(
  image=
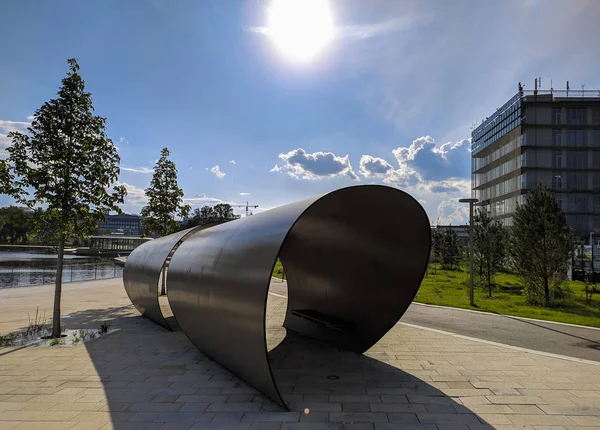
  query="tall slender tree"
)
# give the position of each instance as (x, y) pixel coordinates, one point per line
(541, 245)
(489, 243)
(165, 202)
(165, 198)
(67, 163)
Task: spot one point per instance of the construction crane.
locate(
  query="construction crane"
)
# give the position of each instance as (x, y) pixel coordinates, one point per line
(247, 206)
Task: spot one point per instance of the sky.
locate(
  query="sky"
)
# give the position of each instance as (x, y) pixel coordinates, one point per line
(390, 99)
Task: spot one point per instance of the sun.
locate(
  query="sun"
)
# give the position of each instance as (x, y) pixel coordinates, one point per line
(300, 29)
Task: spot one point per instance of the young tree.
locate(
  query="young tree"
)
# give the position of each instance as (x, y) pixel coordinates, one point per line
(436, 245)
(165, 202)
(165, 198)
(489, 246)
(450, 249)
(541, 245)
(68, 164)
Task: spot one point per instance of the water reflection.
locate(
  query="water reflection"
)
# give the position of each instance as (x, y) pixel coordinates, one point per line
(18, 269)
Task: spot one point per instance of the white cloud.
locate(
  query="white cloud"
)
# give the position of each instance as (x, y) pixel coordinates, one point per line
(30, 117)
(302, 165)
(7, 127)
(244, 194)
(137, 169)
(231, 161)
(452, 212)
(373, 166)
(451, 159)
(217, 171)
(135, 196)
(367, 31)
(202, 200)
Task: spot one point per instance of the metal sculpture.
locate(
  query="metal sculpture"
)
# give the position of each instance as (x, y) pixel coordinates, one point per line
(142, 272)
(354, 260)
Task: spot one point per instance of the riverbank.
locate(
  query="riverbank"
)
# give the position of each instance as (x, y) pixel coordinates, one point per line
(22, 268)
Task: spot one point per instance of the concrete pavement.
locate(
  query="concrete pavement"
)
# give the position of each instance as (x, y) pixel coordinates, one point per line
(573, 341)
(580, 342)
(144, 377)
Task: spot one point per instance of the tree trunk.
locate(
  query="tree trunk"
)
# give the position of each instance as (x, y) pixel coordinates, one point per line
(546, 291)
(56, 329)
(489, 282)
(163, 287)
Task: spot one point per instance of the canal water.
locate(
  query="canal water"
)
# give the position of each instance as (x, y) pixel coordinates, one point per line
(23, 268)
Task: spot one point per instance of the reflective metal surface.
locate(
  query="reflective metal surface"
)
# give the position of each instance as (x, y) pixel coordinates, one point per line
(354, 259)
(142, 272)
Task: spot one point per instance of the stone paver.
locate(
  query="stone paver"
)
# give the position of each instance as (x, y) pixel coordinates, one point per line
(148, 378)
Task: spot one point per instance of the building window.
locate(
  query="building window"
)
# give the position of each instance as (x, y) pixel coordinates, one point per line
(556, 159)
(582, 159)
(596, 182)
(582, 181)
(577, 116)
(556, 180)
(556, 115)
(596, 160)
(571, 159)
(571, 138)
(572, 181)
(580, 138)
(556, 137)
(596, 116)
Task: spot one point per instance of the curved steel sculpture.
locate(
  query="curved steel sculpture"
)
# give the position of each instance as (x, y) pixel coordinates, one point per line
(142, 271)
(354, 260)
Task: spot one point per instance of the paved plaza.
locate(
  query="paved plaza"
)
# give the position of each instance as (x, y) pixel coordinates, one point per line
(148, 378)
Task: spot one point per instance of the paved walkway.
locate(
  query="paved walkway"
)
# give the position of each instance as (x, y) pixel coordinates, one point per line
(573, 341)
(580, 342)
(148, 378)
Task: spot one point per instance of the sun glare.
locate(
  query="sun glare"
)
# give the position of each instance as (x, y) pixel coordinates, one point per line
(300, 29)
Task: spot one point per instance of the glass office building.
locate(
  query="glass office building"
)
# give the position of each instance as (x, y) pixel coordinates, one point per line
(549, 137)
(122, 224)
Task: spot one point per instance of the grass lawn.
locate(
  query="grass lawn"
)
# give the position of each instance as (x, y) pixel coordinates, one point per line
(451, 288)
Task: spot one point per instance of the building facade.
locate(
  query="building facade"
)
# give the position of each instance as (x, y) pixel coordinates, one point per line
(126, 224)
(549, 137)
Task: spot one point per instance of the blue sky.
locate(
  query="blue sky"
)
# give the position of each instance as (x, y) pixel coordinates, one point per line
(390, 100)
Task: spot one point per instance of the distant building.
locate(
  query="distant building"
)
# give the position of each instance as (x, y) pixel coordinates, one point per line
(126, 224)
(549, 137)
(462, 231)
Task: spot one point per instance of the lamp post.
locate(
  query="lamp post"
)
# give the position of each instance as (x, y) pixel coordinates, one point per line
(470, 202)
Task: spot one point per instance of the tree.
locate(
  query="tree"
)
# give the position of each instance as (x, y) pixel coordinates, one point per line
(541, 245)
(489, 246)
(436, 245)
(209, 214)
(67, 163)
(165, 199)
(449, 249)
(15, 223)
(165, 202)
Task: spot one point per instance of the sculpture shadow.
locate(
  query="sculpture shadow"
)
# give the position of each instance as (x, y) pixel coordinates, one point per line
(151, 377)
(325, 383)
